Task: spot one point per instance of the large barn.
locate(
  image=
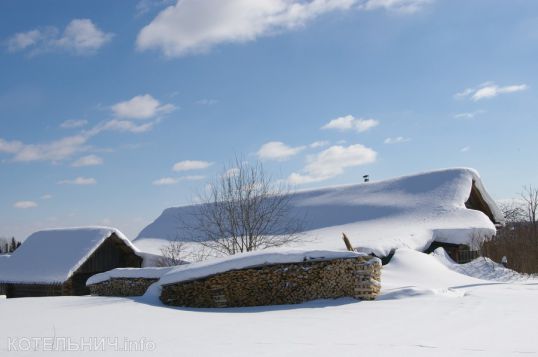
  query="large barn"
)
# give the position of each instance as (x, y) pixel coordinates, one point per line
(59, 261)
(449, 208)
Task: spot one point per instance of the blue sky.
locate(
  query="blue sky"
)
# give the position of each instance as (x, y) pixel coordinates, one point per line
(112, 111)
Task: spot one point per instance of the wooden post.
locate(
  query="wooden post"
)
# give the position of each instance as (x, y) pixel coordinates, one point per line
(347, 242)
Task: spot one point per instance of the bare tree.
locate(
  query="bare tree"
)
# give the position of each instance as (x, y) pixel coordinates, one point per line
(513, 211)
(530, 197)
(173, 254)
(243, 210)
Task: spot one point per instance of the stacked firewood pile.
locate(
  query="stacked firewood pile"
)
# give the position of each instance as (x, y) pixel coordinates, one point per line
(121, 287)
(288, 283)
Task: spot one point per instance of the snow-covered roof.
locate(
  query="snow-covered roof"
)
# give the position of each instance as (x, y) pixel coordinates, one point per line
(404, 212)
(52, 256)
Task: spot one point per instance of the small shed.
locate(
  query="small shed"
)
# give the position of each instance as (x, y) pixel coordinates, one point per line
(59, 261)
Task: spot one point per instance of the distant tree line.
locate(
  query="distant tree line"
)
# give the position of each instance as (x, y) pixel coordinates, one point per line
(8, 246)
(518, 240)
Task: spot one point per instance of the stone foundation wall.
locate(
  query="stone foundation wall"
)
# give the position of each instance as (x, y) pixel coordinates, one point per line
(290, 283)
(121, 287)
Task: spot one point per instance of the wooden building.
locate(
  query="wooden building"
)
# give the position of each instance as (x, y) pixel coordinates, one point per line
(464, 253)
(58, 262)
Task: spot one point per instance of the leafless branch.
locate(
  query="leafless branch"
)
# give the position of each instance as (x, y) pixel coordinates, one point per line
(243, 210)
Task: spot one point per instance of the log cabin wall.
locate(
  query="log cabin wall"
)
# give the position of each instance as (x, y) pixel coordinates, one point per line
(31, 290)
(113, 253)
(477, 202)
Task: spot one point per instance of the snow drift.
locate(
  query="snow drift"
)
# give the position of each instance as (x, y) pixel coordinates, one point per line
(482, 268)
(405, 212)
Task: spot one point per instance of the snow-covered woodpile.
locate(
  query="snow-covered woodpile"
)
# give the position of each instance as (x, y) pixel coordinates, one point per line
(283, 283)
(122, 286)
(125, 281)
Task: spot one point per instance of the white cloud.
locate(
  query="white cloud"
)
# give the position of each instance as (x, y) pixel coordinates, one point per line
(397, 140)
(79, 181)
(493, 91)
(465, 149)
(81, 36)
(192, 178)
(188, 165)
(319, 144)
(25, 204)
(469, 115)
(23, 40)
(333, 162)
(67, 147)
(46, 196)
(401, 6)
(165, 181)
(464, 93)
(489, 90)
(89, 160)
(73, 123)
(10, 147)
(144, 6)
(349, 122)
(276, 150)
(174, 180)
(141, 107)
(127, 126)
(195, 26)
(234, 171)
(54, 151)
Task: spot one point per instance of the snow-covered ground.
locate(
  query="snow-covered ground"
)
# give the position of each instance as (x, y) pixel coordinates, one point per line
(426, 309)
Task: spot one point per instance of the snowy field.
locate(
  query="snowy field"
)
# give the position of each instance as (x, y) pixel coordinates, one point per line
(426, 309)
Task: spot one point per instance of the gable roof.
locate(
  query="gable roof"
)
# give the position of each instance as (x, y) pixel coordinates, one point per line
(404, 212)
(52, 256)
